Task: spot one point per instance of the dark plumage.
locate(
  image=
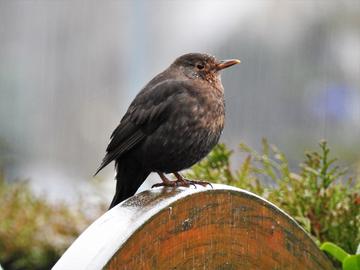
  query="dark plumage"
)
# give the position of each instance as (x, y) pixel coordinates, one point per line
(175, 120)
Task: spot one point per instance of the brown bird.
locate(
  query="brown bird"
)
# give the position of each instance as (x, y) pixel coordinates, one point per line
(175, 120)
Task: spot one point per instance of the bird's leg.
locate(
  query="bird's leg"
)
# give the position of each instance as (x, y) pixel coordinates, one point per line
(180, 182)
(183, 182)
(165, 182)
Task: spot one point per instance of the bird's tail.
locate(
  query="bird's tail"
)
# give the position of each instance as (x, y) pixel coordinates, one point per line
(129, 177)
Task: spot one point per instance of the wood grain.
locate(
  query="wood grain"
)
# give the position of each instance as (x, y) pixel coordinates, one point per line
(220, 228)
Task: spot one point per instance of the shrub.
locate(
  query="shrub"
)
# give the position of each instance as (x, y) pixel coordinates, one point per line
(33, 232)
(318, 194)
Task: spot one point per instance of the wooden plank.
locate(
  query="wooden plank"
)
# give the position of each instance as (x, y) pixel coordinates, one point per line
(203, 228)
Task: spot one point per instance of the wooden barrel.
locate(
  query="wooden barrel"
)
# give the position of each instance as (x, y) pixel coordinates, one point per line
(220, 228)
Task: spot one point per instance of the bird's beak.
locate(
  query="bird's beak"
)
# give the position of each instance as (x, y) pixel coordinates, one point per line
(227, 63)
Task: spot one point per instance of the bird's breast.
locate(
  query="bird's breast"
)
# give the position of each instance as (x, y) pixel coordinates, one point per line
(192, 130)
(202, 111)
(210, 110)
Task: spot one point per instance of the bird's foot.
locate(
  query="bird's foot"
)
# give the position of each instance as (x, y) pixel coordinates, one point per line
(183, 183)
(169, 184)
(186, 182)
(165, 182)
(180, 182)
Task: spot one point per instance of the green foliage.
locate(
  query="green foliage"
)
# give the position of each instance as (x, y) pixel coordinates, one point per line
(33, 232)
(318, 194)
(349, 262)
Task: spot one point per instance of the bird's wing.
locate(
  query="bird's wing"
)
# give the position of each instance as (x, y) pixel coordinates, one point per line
(146, 113)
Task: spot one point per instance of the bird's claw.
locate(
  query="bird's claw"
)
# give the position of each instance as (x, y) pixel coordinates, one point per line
(197, 182)
(204, 184)
(182, 183)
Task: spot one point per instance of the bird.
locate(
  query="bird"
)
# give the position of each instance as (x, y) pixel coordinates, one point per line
(171, 124)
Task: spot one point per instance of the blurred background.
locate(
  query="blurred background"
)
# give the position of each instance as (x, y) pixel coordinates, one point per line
(69, 69)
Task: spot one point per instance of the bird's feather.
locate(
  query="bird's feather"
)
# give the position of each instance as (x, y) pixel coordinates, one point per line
(147, 112)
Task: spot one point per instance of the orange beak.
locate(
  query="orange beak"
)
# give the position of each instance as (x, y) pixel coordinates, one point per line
(227, 63)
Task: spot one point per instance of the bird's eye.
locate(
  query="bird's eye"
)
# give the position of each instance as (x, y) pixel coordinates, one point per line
(200, 66)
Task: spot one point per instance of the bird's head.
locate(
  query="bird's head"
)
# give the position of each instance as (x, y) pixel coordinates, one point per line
(202, 66)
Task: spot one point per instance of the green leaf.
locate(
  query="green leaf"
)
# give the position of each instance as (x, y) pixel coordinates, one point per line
(335, 251)
(352, 262)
